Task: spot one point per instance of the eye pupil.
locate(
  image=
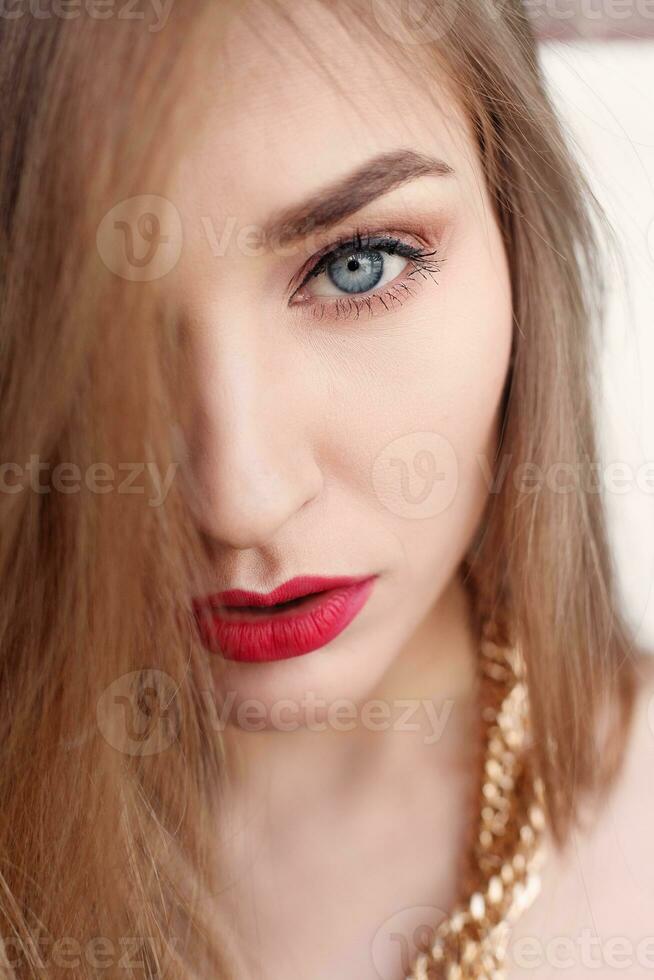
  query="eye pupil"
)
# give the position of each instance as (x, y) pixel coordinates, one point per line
(357, 273)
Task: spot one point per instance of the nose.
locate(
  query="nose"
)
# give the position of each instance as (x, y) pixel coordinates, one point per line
(250, 453)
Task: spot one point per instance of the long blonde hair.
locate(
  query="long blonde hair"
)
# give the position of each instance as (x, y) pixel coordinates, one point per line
(99, 837)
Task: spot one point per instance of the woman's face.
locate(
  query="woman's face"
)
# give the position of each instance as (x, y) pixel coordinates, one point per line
(344, 420)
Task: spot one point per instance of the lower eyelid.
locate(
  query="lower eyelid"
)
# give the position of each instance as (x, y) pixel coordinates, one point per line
(355, 306)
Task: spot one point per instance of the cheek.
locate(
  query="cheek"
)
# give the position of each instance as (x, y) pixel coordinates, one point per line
(469, 360)
(426, 386)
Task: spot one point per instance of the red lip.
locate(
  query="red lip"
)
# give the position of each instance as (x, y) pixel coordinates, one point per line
(249, 634)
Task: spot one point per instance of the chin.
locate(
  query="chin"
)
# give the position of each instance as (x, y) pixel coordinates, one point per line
(301, 691)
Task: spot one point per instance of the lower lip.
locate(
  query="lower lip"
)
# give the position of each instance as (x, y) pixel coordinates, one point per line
(259, 638)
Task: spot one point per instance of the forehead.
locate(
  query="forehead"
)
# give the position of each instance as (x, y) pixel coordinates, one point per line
(296, 97)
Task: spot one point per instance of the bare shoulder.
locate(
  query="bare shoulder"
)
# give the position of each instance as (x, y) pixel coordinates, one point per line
(595, 914)
(620, 839)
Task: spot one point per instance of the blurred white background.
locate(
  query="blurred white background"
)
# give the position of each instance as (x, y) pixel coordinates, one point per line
(604, 91)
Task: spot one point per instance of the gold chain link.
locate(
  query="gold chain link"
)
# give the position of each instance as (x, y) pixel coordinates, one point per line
(508, 847)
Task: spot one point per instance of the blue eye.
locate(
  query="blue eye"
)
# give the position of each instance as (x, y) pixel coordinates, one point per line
(359, 266)
(354, 272)
(357, 272)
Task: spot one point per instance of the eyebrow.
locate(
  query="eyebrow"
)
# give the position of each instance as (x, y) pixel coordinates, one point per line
(346, 196)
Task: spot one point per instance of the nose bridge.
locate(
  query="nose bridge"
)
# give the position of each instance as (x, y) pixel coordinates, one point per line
(253, 462)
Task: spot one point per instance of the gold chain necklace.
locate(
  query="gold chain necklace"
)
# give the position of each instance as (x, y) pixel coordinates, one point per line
(508, 847)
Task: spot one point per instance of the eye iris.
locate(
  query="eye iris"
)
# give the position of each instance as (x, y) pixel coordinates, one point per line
(357, 272)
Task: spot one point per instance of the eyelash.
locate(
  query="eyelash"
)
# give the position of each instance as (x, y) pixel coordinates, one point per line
(423, 262)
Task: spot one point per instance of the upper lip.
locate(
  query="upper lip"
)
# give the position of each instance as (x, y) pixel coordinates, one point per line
(292, 589)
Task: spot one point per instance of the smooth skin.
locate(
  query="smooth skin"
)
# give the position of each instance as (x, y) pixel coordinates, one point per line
(340, 837)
